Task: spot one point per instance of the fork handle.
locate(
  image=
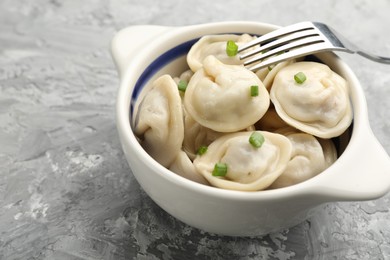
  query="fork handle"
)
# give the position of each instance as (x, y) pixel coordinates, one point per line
(373, 57)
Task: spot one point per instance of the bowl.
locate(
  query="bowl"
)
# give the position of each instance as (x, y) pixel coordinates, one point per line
(362, 171)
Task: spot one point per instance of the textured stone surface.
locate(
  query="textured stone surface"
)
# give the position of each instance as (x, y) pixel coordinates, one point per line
(66, 191)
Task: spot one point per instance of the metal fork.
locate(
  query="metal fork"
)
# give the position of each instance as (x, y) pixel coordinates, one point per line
(295, 41)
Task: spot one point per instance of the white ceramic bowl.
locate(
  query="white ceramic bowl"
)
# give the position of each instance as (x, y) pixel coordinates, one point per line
(362, 172)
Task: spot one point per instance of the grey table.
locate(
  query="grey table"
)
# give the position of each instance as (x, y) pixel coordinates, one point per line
(66, 191)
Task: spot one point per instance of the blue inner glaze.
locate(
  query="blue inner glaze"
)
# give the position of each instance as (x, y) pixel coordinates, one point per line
(156, 65)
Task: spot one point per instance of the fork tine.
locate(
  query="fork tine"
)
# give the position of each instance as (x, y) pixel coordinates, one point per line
(277, 33)
(281, 41)
(285, 47)
(295, 53)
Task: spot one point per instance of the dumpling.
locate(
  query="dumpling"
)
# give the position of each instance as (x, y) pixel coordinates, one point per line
(328, 146)
(248, 168)
(330, 151)
(183, 166)
(215, 45)
(185, 76)
(160, 121)
(319, 106)
(309, 157)
(218, 97)
(196, 135)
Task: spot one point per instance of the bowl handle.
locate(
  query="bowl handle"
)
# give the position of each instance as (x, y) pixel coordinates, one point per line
(129, 40)
(361, 173)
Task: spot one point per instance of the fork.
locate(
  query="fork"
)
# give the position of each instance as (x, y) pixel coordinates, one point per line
(295, 41)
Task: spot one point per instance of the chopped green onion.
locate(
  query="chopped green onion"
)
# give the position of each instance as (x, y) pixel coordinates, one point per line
(300, 77)
(201, 150)
(182, 86)
(256, 139)
(220, 169)
(231, 48)
(254, 91)
(270, 67)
